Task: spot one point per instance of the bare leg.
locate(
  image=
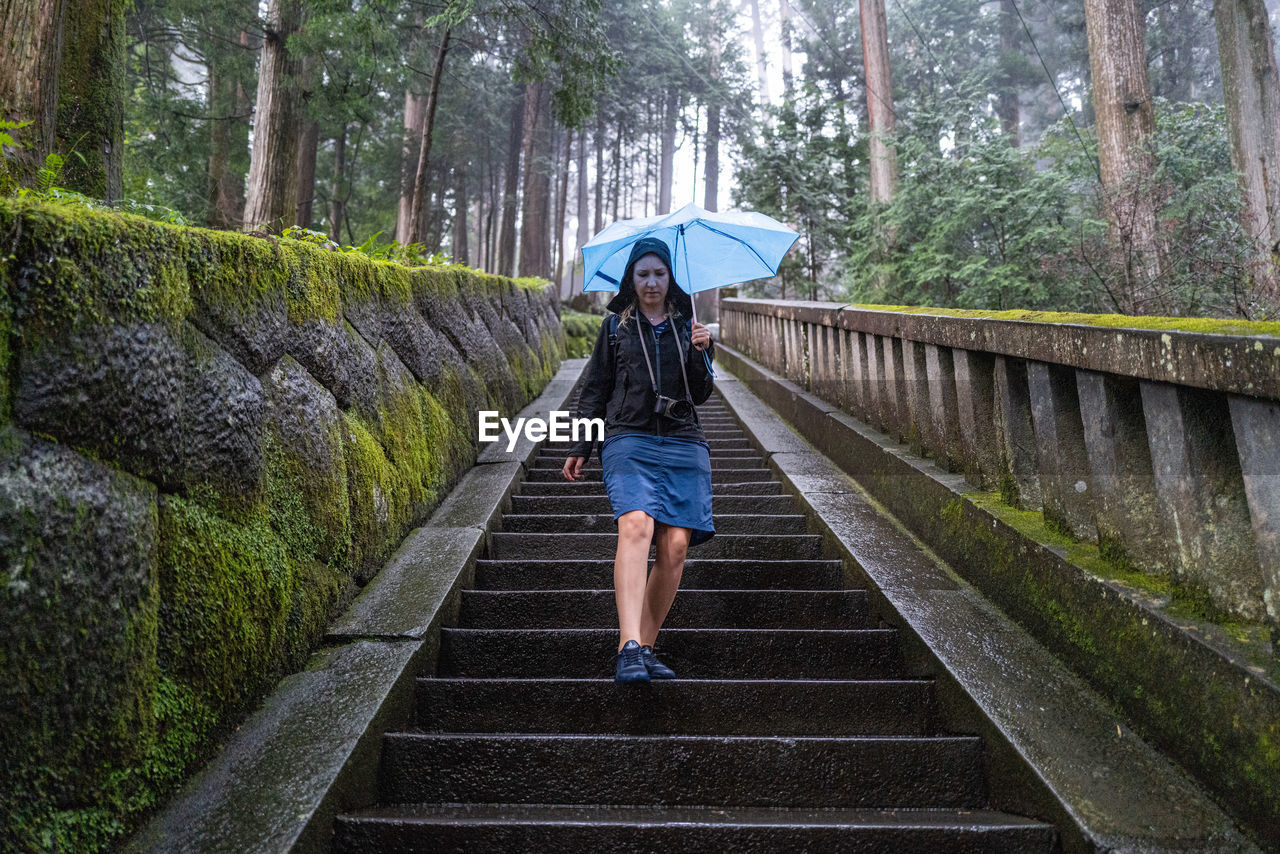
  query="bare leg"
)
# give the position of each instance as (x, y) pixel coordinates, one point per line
(660, 591)
(635, 531)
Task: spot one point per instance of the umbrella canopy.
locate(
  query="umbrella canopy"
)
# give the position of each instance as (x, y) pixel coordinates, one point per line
(708, 249)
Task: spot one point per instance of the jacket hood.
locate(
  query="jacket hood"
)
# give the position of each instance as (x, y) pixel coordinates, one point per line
(627, 288)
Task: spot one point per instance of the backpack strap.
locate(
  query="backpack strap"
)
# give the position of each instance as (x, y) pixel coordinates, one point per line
(613, 333)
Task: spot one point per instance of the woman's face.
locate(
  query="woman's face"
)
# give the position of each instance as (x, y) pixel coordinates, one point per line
(651, 279)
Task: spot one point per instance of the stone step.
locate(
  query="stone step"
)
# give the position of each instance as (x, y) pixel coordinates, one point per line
(550, 546)
(677, 706)
(603, 523)
(692, 653)
(700, 573)
(596, 487)
(719, 474)
(715, 445)
(716, 609)
(721, 461)
(423, 828)
(764, 505)
(903, 772)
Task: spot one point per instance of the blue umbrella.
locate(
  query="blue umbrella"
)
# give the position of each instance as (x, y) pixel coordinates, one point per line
(708, 249)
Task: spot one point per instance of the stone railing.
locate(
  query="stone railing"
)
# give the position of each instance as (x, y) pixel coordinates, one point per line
(208, 443)
(1161, 444)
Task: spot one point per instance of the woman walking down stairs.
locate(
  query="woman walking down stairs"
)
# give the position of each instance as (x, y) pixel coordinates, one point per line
(791, 726)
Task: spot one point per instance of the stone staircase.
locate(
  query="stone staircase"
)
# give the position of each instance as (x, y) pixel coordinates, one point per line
(792, 725)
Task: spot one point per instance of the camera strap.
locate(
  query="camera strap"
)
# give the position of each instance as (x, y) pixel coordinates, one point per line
(653, 379)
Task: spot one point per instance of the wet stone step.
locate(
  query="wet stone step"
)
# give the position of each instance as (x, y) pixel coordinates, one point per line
(692, 653)
(764, 505)
(423, 828)
(903, 772)
(596, 487)
(754, 461)
(700, 573)
(715, 445)
(596, 523)
(759, 546)
(678, 706)
(717, 609)
(718, 475)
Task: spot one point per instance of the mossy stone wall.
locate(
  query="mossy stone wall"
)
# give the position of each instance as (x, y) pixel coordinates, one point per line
(208, 442)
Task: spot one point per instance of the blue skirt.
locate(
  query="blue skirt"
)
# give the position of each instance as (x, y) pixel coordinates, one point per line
(670, 479)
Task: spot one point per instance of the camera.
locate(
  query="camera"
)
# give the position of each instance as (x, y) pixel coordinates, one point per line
(679, 410)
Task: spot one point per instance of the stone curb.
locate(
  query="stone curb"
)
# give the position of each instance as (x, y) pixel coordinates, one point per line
(312, 750)
(1055, 748)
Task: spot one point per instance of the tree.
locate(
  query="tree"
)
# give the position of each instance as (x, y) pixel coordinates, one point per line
(272, 197)
(1251, 91)
(875, 55)
(416, 231)
(1125, 122)
(64, 74)
(91, 98)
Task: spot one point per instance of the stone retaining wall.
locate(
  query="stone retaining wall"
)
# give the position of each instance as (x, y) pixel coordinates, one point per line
(1160, 444)
(208, 442)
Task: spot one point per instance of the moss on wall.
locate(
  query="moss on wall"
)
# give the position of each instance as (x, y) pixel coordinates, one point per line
(580, 331)
(246, 577)
(1209, 325)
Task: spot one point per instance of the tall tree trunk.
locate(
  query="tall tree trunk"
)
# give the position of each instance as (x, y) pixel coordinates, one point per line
(1125, 121)
(417, 231)
(616, 186)
(1007, 107)
(711, 195)
(30, 57)
(91, 84)
(762, 70)
(413, 116)
(272, 197)
(584, 208)
(338, 193)
(784, 19)
(875, 56)
(670, 115)
(511, 184)
(1251, 91)
(707, 303)
(562, 215)
(535, 210)
(461, 255)
(599, 139)
(229, 109)
(307, 150)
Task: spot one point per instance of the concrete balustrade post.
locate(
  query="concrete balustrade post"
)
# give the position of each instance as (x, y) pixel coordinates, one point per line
(876, 384)
(816, 371)
(851, 373)
(1256, 424)
(915, 386)
(831, 337)
(794, 368)
(894, 402)
(944, 414)
(975, 406)
(1019, 475)
(1130, 529)
(862, 376)
(1201, 493)
(1060, 450)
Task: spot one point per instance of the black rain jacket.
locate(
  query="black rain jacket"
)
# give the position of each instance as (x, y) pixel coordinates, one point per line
(617, 387)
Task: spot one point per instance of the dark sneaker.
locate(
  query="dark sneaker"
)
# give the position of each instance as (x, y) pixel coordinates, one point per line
(631, 666)
(657, 670)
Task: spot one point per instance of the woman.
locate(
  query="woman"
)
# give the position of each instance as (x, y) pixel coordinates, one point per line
(649, 367)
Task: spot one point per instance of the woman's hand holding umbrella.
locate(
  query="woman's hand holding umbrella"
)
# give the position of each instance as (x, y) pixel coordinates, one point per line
(701, 337)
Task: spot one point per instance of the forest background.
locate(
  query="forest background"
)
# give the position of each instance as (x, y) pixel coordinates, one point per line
(502, 134)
